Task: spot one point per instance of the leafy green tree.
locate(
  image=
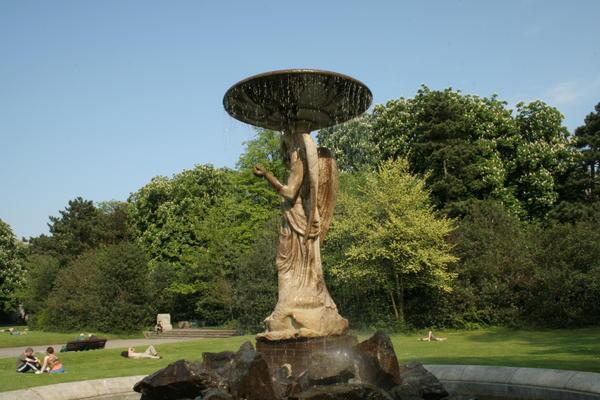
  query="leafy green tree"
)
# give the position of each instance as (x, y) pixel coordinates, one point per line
(163, 212)
(201, 223)
(494, 274)
(40, 276)
(103, 289)
(255, 284)
(82, 226)
(566, 279)
(11, 268)
(123, 294)
(391, 236)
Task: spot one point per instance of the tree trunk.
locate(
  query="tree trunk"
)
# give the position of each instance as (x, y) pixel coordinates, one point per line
(400, 295)
(396, 313)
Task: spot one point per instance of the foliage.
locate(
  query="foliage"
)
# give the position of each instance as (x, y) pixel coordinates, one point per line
(566, 279)
(103, 289)
(201, 224)
(352, 143)
(80, 227)
(542, 155)
(494, 273)
(389, 236)
(163, 211)
(11, 268)
(587, 141)
(470, 147)
(579, 186)
(40, 276)
(255, 288)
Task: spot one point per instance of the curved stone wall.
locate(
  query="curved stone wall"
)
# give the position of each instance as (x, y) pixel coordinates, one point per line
(518, 383)
(99, 389)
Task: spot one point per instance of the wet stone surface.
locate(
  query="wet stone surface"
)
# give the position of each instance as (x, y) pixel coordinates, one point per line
(368, 370)
(180, 380)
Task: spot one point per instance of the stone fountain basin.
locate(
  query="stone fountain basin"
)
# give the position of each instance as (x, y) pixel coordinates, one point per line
(483, 382)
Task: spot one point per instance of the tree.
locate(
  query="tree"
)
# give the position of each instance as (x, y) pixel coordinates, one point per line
(123, 294)
(201, 223)
(103, 289)
(11, 268)
(163, 212)
(581, 183)
(471, 148)
(494, 274)
(82, 226)
(391, 236)
(543, 154)
(40, 278)
(255, 284)
(352, 144)
(566, 278)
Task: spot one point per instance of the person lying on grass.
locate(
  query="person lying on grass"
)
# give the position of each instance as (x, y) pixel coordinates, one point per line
(27, 362)
(431, 338)
(149, 353)
(52, 364)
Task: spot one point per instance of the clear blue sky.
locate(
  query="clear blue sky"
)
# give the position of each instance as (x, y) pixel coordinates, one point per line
(96, 98)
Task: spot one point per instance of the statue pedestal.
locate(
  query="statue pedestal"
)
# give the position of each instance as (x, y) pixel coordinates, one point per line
(297, 352)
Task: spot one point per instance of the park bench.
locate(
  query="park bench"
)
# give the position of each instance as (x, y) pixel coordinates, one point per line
(83, 345)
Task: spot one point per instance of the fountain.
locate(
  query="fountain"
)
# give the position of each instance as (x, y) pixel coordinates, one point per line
(305, 351)
(296, 102)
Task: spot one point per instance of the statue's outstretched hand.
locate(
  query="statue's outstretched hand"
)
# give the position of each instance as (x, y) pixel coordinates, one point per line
(259, 171)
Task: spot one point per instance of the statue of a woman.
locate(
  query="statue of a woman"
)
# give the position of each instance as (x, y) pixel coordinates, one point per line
(304, 307)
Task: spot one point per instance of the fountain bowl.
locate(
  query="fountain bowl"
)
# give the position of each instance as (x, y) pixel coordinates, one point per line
(297, 100)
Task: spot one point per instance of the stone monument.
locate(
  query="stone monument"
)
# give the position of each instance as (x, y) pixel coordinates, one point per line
(296, 102)
(165, 319)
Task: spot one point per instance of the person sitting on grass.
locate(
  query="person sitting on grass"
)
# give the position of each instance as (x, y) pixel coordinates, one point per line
(149, 353)
(52, 364)
(28, 362)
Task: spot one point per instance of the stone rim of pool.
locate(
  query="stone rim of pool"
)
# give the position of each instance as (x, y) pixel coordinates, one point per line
(474, 380)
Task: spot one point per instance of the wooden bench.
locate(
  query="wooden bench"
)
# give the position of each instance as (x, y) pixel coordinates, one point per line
(84, 345)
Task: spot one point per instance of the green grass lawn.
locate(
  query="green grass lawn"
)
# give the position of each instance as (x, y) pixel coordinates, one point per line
(577, 349)
(37, 338)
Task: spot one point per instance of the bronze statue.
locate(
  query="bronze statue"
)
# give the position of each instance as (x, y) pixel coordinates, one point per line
(297, 102)
(304, 307)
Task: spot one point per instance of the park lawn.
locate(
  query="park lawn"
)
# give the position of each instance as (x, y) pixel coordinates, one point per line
(577, 349)
(37, 338)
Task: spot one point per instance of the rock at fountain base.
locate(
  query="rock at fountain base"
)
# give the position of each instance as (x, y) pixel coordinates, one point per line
(297, 352)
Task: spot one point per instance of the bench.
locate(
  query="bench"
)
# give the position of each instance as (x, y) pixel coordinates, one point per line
(84, 345)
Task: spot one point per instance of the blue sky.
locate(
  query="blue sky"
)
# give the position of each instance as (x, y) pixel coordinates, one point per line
(96, 98)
